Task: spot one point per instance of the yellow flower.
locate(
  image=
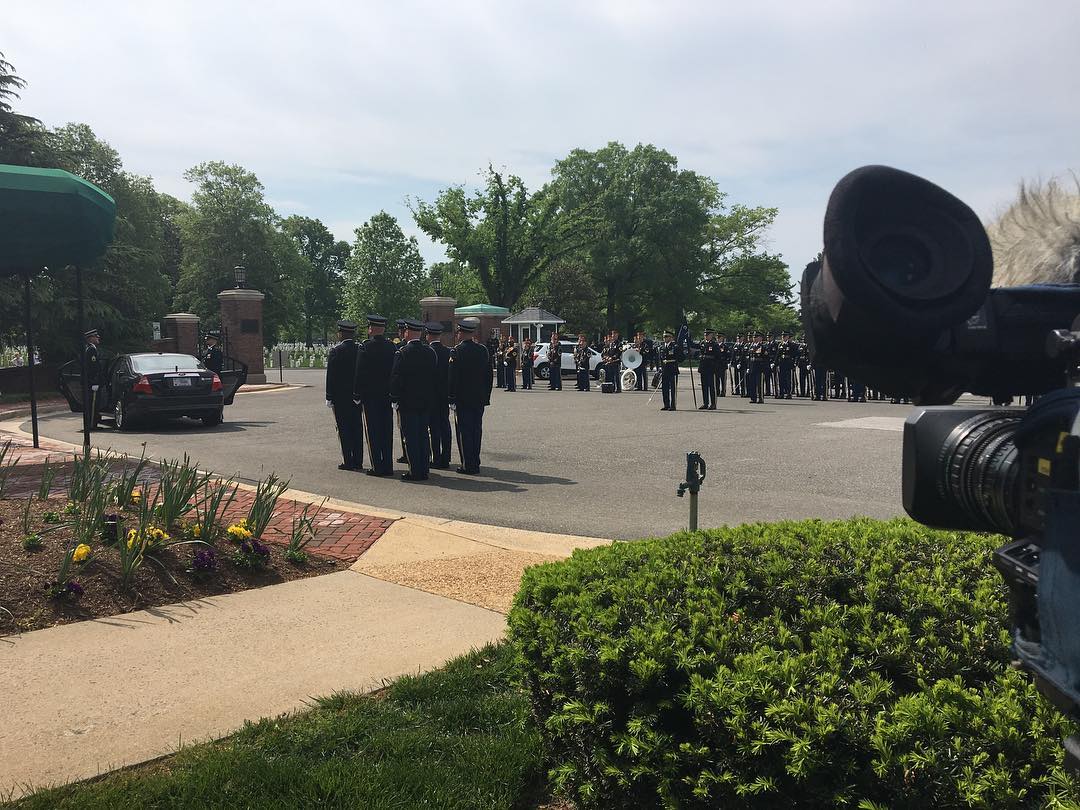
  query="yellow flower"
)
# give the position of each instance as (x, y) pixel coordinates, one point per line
(82, 551)
(196, 530)
(239, 531)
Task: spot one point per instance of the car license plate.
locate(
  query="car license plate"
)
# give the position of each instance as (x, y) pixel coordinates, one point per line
(181, 382)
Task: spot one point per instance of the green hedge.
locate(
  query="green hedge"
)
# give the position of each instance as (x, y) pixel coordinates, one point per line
(857, 664)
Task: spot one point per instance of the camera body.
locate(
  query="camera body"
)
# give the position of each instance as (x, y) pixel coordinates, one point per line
(901, 300)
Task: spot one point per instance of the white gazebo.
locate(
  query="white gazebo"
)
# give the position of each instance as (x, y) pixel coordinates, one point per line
(533, 322)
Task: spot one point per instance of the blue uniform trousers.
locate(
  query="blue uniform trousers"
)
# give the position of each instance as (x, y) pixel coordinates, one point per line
(526, 378)
(350, 433)
(555, 381)
(470, 428)
(414, 427)
(380, 428)
(439, 427)
(668, 381)
(708, 386)
(582, 379)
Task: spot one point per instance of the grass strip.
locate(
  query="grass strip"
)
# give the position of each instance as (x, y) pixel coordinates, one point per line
(458, 737)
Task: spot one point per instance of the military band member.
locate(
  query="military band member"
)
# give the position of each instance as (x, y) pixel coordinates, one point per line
(786, 355)
(510, 363)
(469, 392)
(439, 415)
(644, 347)
(758, 361)
(212, 358)
(94, 373)
(371, 388)
(612, 359)
(723, 360)
(670, 355)
(738, 359)
(340, 372)
(500, 363)
(709, 353)
(582, 356)
(555, 362)
(412, 384)
(527, 365)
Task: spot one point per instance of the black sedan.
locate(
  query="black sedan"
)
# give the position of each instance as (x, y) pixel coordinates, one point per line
(141, 386)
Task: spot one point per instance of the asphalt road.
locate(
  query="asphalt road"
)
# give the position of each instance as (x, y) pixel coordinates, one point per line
(571, 462)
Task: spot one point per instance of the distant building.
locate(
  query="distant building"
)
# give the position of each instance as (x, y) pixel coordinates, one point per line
(533, 322)
(490, 317)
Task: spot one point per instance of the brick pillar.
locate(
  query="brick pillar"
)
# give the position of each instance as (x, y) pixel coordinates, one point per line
(241, 319)
(179, 333)
(438, 309)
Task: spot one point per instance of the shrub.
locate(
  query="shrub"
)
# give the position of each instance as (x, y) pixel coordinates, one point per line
(851, 664)
(262, 506)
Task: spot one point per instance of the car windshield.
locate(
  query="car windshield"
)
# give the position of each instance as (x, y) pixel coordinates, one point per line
(150, 363)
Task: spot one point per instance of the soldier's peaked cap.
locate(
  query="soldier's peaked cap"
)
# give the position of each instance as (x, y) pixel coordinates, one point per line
(434, 328)
(346, 326)
(401, 322)
(709, 330)
(468, 325)
(668, 332)
(91, 333)
(376, 320)
(415, 326)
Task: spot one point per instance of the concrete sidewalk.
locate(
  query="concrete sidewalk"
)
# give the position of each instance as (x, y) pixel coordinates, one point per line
(85, 698)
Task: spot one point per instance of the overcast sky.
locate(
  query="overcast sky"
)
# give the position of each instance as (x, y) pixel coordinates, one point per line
(343, 109)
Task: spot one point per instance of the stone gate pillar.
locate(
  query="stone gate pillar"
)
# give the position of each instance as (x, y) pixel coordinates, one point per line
(438, 309)
(179, 333)
(241, 321)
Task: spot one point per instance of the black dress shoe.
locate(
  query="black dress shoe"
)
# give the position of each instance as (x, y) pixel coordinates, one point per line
(440, 466)
(411, 477)
(403, 460)
(343, 466)
(665, 408)
(463, 471)
(703, 407)
(712, 407)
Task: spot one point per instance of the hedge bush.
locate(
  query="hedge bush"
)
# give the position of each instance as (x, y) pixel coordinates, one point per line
(858, 664)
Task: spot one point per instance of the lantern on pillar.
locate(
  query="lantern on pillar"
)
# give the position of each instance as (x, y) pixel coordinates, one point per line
(240, 275)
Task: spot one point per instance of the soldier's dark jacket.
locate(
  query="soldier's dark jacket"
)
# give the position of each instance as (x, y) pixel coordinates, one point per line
(581, 357)
(340, 369)
(555, 354)
(470, 375)
(670, 355)
(374, 362)
(412, 378)
(510, 357)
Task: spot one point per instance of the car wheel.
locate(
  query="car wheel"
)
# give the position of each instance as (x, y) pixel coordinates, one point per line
(214, 419)
(543, 371)
(120, 415)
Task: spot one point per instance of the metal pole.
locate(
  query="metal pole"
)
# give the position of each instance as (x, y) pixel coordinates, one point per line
(280, 370)
(30, 362)
(86, 404)
(693, 511)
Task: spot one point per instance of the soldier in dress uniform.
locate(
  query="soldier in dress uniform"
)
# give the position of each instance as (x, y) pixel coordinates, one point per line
(94, 373)
(723, 360)
(582, 354)
(644, 347)
(212, 358)
(412, 388)
(757, 354)
(708, 354)
(612, 359)
(469, 393)
(555, 362)
(371, 388)
(510, 363)
(340, 372)
(786, 355)
(527, 364)
(439, 415)
(738, 357)
(803, 368)
(500, 363)
(670, 355)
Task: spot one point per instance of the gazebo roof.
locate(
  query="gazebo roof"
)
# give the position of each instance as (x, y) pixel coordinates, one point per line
(534, 315)
(481, 309)
(51, 217)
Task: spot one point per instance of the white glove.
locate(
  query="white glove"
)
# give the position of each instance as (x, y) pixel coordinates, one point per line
(394, 405)
(329, 404)
(453, 407)
(94, 388)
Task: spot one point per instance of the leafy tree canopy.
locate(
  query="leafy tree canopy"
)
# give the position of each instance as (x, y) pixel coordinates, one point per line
(385, 271)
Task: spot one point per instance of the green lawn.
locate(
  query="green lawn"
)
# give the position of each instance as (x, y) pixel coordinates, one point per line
(459, 737)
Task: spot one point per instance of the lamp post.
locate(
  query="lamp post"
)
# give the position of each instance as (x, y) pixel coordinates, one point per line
(240, 275)
(436, 280)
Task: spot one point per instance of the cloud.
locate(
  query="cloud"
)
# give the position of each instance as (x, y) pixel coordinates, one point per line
(346, 110)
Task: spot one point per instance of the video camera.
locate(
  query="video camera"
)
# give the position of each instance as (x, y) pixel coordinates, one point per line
(901, 301)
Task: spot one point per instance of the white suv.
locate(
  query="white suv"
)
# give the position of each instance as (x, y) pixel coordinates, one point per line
(542, 369)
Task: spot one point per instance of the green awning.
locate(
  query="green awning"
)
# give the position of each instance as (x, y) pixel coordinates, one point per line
(51, 218)
(481, 309)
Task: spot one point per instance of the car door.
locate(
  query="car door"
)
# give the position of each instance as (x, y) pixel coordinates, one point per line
(70, 384)
(568, 357)
(233, 375)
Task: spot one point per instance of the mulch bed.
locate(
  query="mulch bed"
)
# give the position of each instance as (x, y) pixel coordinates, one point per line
(25, 575)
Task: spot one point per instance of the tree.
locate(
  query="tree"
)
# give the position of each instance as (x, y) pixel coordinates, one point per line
(23, 140)
(385, 271)
(319, 284)
(229, 223)
(457, 281)
(505, 234)
(567, 290)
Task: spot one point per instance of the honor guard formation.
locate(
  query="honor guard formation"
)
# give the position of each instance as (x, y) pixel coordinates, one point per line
(425, 386)
(420, 383)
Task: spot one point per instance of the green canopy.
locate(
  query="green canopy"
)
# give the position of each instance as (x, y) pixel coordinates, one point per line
(51, 218)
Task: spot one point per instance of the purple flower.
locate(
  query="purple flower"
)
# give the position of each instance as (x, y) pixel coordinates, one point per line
(74, 588)
(205, 560)
(260, 548)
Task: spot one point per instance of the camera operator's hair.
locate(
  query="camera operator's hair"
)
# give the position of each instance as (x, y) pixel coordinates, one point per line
(1037, 239)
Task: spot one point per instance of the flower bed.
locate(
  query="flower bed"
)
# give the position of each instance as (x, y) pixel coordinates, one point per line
(114, 544)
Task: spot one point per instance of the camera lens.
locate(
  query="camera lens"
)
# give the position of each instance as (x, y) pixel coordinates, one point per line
(900, 262)
(978, 470)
